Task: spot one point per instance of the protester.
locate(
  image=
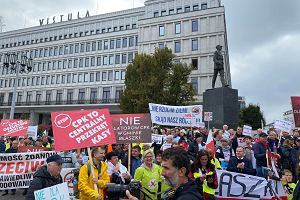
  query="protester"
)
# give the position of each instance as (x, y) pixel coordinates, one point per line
(136, 160)
(158, 158)
(46, 176)
(224, 152)
(260, 150)
(116, 170)
(240, 164)
(168, 143)
(287, 183)
(196, 146)
(226, 133)
(86, 181)
(205, 174)
(294, 156)
(239, 134)
(2, 145)
(12, 149)
(149, 175)
(286, 148)
(218, 135)
(273, 142)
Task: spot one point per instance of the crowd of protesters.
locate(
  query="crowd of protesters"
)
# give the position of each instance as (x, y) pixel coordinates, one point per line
(247, 154)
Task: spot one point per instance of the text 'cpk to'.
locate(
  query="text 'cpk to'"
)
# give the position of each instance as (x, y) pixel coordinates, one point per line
(62, 18)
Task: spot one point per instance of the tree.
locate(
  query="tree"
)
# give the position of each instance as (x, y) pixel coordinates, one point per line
(252, 116)
(155, 79)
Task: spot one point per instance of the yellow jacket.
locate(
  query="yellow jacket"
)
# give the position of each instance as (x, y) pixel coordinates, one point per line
(85, 182)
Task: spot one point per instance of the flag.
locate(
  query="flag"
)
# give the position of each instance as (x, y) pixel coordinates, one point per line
(210, 143)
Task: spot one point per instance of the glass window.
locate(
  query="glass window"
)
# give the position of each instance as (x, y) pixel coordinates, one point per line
(163, 13)
(105, 45)
(70, 94)
(130, 57)
(117, 75)
(117, 60)
(156, 14)
(98, 61)
(70, 63)
(194, 44)
(195, 63)
(92, 61)
(177, 46)
(161, 45)
(58, 79)
(179, 10)
(92, 77)
(124, 58)
(88, 47)
(111, 59)
(86, 77)
(68, 78)
(124, 43)
(118, 43)
(131, 41)
(93, 46)
(75, 63)
(38, 97)
(80, 78)
(187, 9)
(63, 79)
(110, 75)
(71, 47)
(112, 44)
(76, 48)
(60, 51)
(64, 64)
(80, 62)
(171, 11)
(123, 75)
(87, 62)
(46, 51)
(195, 7)
(99, 45)
(194, 82)
(106, 94)
(81, 95)
(105, 60)
(66, 51)
(74, 78)
(104, 76)
(93, 97)
(161, 30)
(194, 25)
(98, 76)
(59, 96)
(177, 28)
(203, 6)
(81, 47)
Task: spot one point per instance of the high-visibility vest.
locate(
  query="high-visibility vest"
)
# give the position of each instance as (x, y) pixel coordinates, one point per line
(216, 163)
(205, 187)
(7, 146)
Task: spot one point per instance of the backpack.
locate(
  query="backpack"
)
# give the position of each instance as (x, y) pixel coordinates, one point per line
(76, 179)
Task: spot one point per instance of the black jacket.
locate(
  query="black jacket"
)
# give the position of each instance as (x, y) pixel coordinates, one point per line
(233, 162)
(296, 194)
(11, 150)
(260, 154)
(41, 180)
(187, 191)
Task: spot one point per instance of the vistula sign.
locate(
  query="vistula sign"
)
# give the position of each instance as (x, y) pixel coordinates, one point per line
(62, 18)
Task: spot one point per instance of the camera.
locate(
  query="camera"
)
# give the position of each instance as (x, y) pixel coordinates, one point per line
(117, 191)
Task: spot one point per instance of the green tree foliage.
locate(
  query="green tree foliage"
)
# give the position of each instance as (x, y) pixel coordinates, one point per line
(155, 79)
(252, 116)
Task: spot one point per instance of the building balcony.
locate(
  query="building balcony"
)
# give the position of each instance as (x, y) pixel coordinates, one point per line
(68, 102)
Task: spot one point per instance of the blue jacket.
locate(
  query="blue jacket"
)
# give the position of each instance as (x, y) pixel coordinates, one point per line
(295, 155)
(2, 147)
(260, 154)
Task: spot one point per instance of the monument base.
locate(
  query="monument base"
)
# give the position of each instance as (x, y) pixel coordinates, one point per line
(223, 103)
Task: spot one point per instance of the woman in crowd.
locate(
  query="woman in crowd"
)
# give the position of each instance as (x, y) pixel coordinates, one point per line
(150, 175)
(205, 174)
(196, 145)
(218, 135)
(286, 149)
(273, 141)
(224, 152)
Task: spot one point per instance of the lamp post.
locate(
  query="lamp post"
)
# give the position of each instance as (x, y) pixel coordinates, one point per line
(19, 64)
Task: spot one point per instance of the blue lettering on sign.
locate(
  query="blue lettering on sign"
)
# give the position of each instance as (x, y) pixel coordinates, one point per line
(181, 110)
(40, 195)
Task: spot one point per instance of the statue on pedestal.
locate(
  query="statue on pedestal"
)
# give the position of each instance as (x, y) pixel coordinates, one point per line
(218, 66)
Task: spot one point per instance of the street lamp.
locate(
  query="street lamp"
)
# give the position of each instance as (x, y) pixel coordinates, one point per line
(19, 63)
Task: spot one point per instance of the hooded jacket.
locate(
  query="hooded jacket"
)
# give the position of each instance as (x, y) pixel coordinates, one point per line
(188, 191)
(41, 180)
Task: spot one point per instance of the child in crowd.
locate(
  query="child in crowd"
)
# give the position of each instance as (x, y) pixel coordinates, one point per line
(287, 183)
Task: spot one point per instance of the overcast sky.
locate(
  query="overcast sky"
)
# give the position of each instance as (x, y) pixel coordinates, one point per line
(263, 36)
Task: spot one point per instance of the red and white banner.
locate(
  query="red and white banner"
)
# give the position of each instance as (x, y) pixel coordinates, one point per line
(82, 128)
(236, 186)
(14, 127)
(296, 110)
(132, 128)
(17, 169)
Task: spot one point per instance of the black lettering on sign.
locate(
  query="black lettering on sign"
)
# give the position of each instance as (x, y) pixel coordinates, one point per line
(223, 183)
(241, 184)
(248, 194)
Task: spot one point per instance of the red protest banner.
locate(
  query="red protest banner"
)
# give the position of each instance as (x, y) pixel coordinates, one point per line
(131, 128)
(82, 128)
(14, 127)
(296, 110)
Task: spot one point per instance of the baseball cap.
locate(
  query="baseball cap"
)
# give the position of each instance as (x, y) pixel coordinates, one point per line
(55, 158)
(263, 134)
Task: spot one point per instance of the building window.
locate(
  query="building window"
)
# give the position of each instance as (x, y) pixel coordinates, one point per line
(87, 62)
(60, 51)
(194, 82)
(105, 60)
(76, 48)
(177, 28)
(59, 96)
(93, 46)
(88, 47)
(92, 61)
(117, 75)
(161, 45)
(74, 79)
(92, 77)
(99, 61)
(124, 58)
(106, 94)
(156, 14)
(70, 63)
(63, 79)
(80, 62)
(195, 63)
(161, 30)
(71, 49)
(68, 78)
(194, 44)
(70, 94)
(93, 96)
(86, 77)
(123, 73)
(98, 76)
(29, 97)
(19, 97)
(99, 45)
(179, 10)
(195, 7)
(163, 13)
(66, 51)
(177, 47)
(48, 96)
(81, 95)
(81, 47)
(110, 75)
(104, 76)
(119, 92)
(194, 25)
(75, 63)
(130, 57)
(131, 41)
(112, 44)
(117, 59)
(80, 78)
(124, 43)
(38, 97)
(118, 43)
(111, 59)
(105, 45)
(171, 12)
(187, 9)
(203, 6)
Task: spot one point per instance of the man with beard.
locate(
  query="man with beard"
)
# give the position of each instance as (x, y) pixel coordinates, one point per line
(176, 167)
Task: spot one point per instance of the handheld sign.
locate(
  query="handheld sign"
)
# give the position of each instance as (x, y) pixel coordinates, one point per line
(82, 128)
(247, 130)
(295, 100)
(132, 128)
(14, 127)
(283, 125)
(32, 132)
(208, 116)
(158, 139)
(59, 191)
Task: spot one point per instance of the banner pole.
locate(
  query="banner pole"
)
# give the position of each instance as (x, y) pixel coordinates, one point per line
(92, 167)
(129, 158)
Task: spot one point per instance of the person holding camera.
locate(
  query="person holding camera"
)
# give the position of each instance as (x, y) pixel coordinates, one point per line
(86, 181)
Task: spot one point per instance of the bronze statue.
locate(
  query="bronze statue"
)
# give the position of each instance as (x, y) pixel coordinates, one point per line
(218, 66)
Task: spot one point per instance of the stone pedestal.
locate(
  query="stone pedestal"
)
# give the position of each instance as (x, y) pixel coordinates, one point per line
(223, 103)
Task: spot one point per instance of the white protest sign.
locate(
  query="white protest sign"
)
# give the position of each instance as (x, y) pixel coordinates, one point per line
(157, 138)
(176, 115)
(283, 125)
(247, 130)
(208, 116)
(242, 186)
(32, 132)
(68, 177)
(59, 191)
(241, 141)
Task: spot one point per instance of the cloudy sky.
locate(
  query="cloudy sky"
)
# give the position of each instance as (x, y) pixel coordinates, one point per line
(263, 35)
